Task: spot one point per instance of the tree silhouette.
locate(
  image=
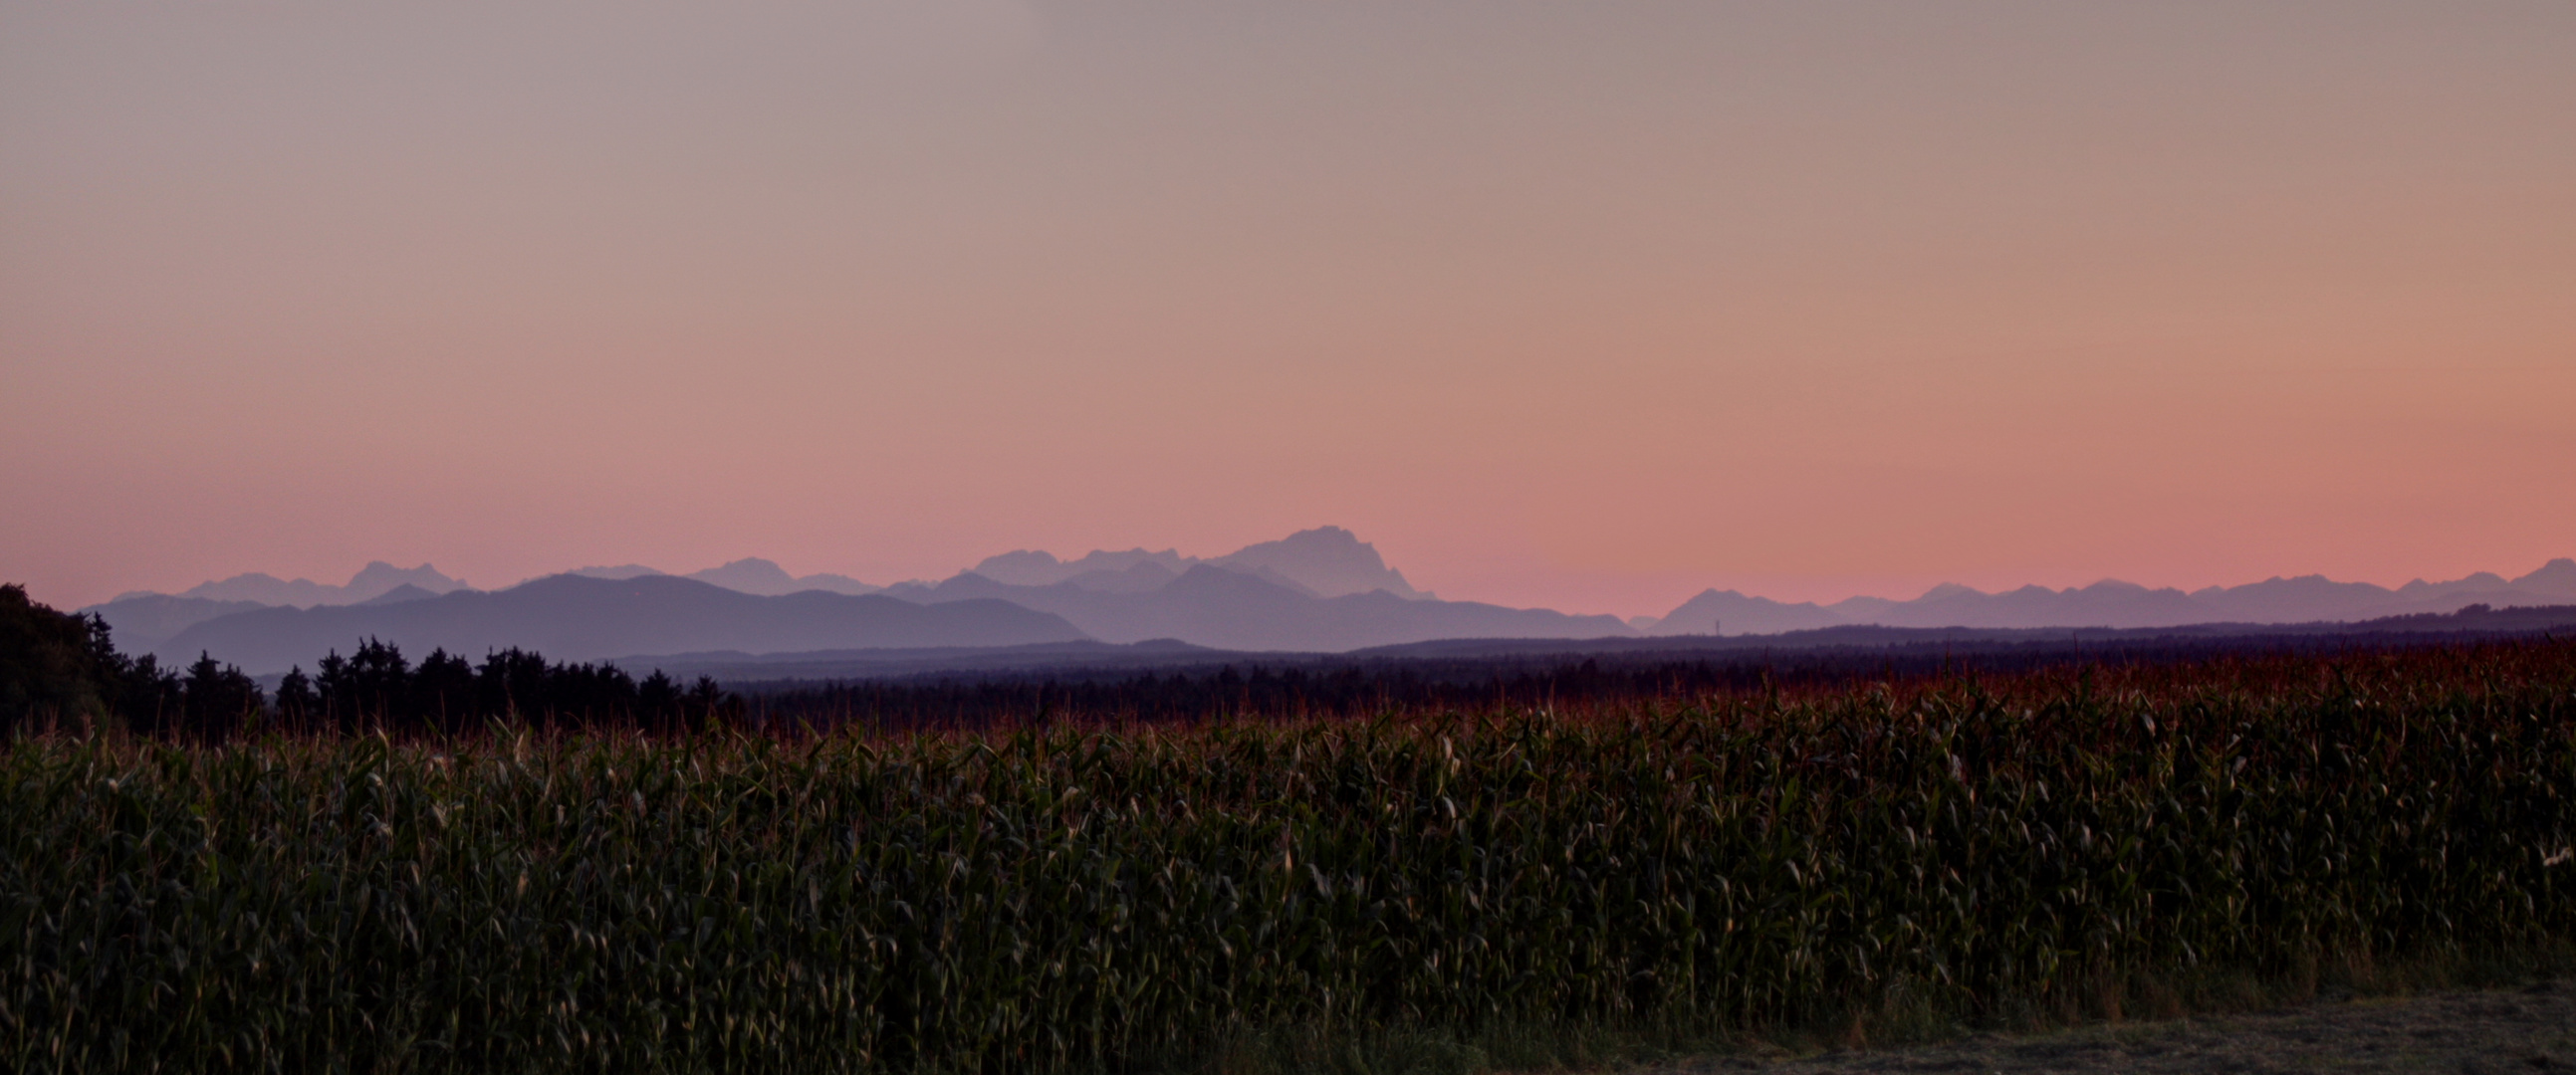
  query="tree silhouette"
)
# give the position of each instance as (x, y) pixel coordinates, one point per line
(217, 699)
(61, 671)
(296, 701)
(512, 685)
(657, 700)
(442, 693)
(49, 670)
(709, 707)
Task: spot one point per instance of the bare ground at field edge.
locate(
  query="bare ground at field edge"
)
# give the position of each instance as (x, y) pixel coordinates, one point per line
(2520, 1030)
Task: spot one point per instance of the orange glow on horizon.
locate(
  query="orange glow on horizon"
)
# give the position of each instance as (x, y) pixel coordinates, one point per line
(1586, 309)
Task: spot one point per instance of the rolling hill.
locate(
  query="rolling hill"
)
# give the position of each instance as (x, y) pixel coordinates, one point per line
(570, 617)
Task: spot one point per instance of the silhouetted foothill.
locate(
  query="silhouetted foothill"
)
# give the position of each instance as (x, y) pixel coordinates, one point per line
(49, 662)
(591, 619)
(59, 670)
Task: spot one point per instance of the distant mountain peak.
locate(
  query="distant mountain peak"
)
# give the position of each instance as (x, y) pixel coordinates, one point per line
(1030, 567)
(1328, 560)
(2556, 578)
(378, 577)
(763, 577)
(1018, 559)
(398, 595)
(2110, 586)
(1715, 611)
(1325, 561)
(1326, 535)
(371, 581)
(751, 574)
(748, 571)
(621, 571)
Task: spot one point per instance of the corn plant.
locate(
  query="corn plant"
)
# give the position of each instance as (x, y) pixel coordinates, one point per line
(1100, 897)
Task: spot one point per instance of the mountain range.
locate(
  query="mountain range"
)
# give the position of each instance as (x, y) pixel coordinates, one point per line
(371, 581)
(751, 575)
(1319, 590)
(2112, 603)
(1327, 561)
(573, 617)
(1241, 610)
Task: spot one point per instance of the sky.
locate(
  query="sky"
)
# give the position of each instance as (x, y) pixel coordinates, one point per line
(1588, 306)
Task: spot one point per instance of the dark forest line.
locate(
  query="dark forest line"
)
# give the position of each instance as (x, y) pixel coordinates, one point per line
(60, 671)
(1293, 688)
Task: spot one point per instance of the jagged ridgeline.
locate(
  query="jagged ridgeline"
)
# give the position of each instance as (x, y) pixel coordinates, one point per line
(1078, 899)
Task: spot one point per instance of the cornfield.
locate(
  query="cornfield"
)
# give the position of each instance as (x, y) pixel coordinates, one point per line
(1072, 896)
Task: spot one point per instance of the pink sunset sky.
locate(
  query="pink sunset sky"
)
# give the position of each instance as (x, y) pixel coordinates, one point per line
(1580, 305)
